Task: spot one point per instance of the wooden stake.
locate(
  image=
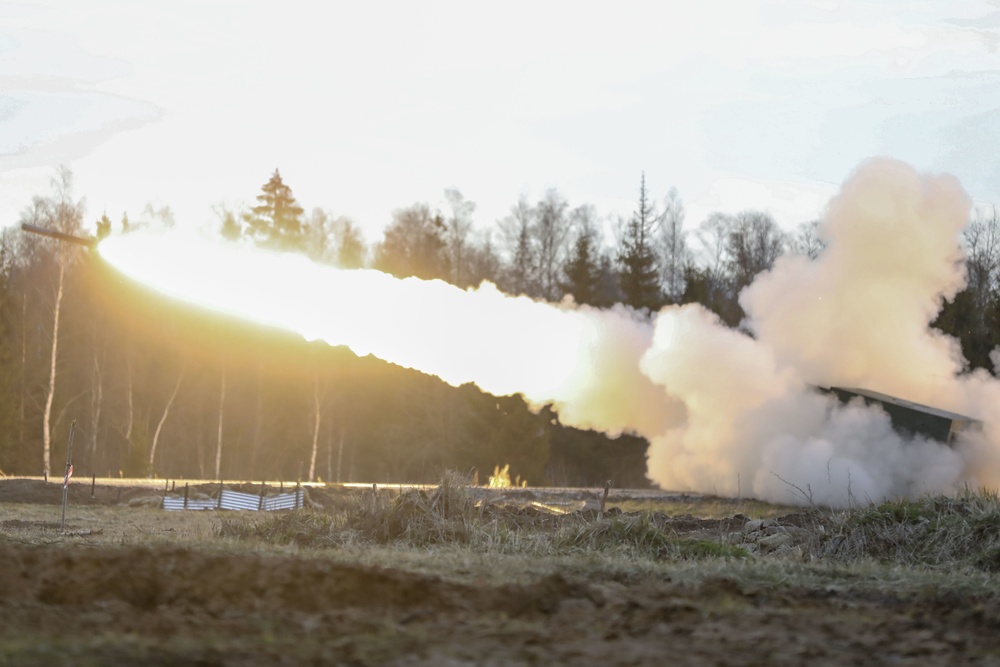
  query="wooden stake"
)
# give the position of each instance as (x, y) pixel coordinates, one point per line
(604, 500)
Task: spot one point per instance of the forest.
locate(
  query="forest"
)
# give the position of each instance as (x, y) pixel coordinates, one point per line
(161, 389)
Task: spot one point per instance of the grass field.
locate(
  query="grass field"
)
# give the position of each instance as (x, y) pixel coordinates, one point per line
(457, 575)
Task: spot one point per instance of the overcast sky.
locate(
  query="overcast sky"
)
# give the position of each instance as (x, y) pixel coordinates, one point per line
(371, 106)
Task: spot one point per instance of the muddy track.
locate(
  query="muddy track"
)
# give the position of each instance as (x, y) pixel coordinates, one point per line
(185, 606)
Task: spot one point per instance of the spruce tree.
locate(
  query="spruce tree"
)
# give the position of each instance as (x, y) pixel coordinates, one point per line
(276, 221)
(583, 271)
(638, 271)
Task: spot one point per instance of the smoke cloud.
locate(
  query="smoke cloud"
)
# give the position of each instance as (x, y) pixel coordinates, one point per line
(726, 411)
(857, 316)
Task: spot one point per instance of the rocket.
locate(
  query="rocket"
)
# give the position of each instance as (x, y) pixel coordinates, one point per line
(59, 236)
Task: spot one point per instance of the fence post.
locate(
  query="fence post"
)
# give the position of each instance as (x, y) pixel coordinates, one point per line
(260, 501)
(218, 505)
(185, 495)
(69, 473)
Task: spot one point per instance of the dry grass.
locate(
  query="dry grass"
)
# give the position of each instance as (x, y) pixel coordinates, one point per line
(939, 542)
(452, 516)
(942, 533)
(102, 525)
(934, 531)
(705, 507)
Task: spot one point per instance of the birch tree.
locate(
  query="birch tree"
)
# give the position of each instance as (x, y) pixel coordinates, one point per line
(319, 394)
(218, 441)
(60, 213)
(673, 247)
(457, 228)
(521, 274)
(159, 425)
(551, 231)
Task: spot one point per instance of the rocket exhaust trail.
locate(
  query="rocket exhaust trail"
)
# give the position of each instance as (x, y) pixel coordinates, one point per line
(725, 412)
(59, 236)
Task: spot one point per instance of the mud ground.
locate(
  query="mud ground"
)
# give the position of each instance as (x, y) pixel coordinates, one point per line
(71, 604)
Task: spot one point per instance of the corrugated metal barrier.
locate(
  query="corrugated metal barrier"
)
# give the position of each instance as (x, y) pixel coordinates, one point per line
(235, 500)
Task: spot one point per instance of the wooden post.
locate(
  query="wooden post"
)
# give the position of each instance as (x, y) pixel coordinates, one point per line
(185, 495)
(218, 504)
(69, 473)
(260, 501)
(298, 490)
(93, 483)
(604, 500)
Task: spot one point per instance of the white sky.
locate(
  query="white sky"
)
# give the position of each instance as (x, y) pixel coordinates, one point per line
(371, 106)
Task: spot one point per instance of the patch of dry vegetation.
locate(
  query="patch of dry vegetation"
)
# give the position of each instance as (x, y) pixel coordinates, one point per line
(933, 533)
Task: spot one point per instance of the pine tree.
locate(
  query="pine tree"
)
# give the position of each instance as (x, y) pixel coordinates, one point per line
(583, 271)
(276, 221)
(638, 271)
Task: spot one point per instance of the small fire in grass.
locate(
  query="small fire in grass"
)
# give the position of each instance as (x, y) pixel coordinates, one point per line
(500, 479)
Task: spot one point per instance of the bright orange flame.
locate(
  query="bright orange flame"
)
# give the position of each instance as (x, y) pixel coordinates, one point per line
(560, 354)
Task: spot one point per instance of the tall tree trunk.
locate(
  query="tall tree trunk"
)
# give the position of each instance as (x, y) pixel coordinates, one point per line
(340, 456)
(257, 425)
(317, 416)
(131, 404)
(329, 455)
(50, 392)
(24, 364)
(159, 427)
(218, 443)
(96, 400)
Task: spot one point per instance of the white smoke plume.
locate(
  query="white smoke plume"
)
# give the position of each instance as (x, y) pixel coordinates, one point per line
(857, 316)
(726, 412)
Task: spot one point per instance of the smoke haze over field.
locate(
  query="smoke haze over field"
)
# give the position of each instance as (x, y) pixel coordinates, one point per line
(726, 412)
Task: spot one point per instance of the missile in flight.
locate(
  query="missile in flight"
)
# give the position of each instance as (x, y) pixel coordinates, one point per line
(59, 236)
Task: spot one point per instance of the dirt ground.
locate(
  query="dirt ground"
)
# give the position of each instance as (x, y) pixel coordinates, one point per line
(66, 603)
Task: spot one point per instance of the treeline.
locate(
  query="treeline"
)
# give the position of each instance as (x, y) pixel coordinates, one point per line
(159, 388)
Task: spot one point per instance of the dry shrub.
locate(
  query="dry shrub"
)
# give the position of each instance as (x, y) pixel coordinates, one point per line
(453, 515)
(935, 531)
